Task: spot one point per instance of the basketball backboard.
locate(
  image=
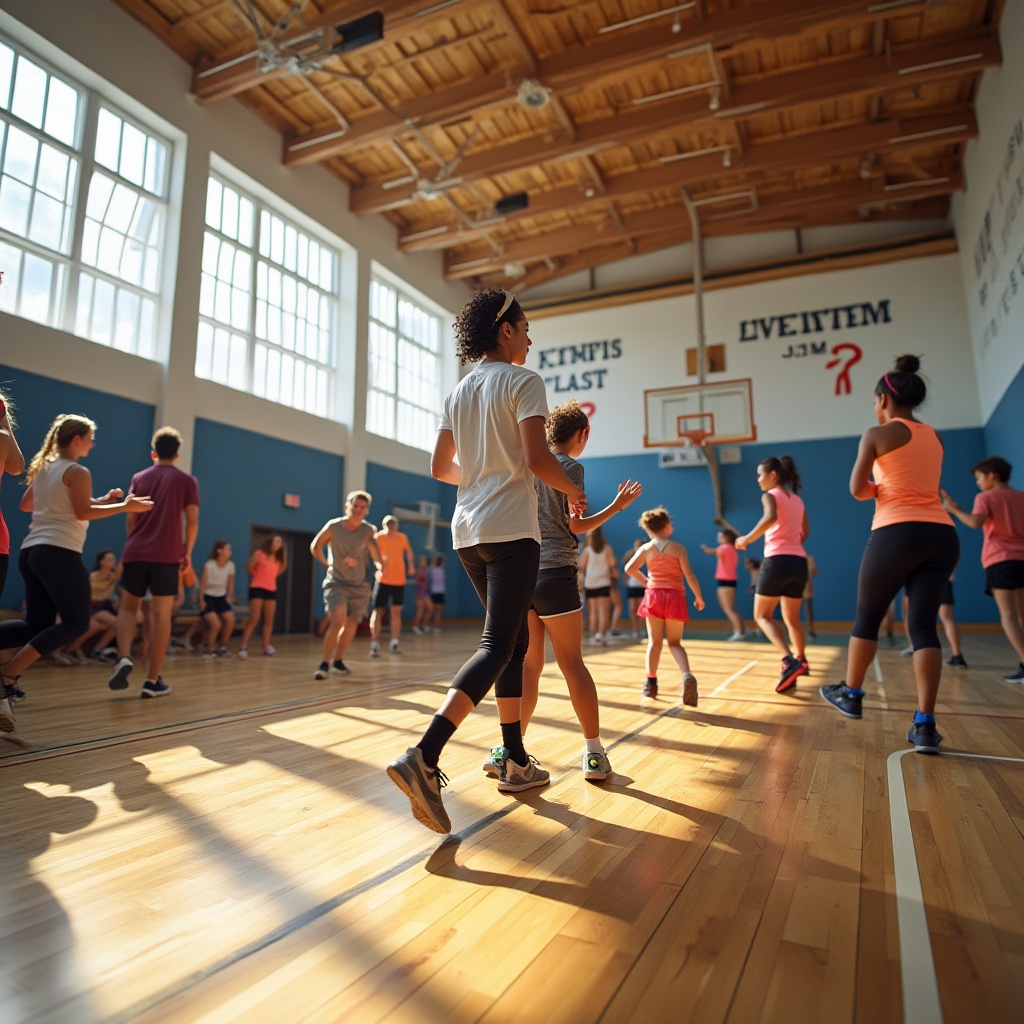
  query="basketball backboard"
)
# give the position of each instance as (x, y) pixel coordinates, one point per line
(723, 410)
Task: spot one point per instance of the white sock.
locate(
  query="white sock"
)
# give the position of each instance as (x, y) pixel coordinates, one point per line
(593, 746)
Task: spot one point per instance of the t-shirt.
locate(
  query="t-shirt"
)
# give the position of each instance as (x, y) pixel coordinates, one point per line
(349, 552)
(497, 501)
(158, 535)
(1003, 528)
(436, 575)
(393, 546)
(102, 589)
(217, 577)
(558, 544)
(783, 536)
(728, 559)
(598, 567)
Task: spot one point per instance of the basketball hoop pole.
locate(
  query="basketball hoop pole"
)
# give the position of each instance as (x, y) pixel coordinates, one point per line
(697, 243)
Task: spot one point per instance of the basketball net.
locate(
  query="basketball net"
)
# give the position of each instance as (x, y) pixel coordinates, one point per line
(695, 438)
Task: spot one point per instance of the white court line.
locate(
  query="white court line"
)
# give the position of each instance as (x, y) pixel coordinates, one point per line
(921, 1003)
(746, 668)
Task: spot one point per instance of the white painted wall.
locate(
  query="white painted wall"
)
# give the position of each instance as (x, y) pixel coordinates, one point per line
(95, 40)
(989, 219)
(794, 390)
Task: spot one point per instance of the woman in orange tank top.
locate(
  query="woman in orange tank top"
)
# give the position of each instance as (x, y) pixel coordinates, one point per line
(913, 544)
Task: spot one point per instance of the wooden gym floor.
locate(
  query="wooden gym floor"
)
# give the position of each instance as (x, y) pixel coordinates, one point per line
(235, 852)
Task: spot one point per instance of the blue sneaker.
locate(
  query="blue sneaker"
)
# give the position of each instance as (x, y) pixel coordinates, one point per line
(925, 737)
(840, 697)
(157, 689)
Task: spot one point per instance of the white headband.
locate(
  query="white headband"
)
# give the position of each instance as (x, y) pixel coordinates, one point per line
(509, 299)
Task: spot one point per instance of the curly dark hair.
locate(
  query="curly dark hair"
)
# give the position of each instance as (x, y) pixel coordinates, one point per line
(565, 421)
(655, 520)
(476, 328)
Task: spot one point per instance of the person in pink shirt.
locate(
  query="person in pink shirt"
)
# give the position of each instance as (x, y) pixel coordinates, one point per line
(783, 573)
(725, 579)
(265, 564)
(664, 603)
(11, 461)
(999, 511)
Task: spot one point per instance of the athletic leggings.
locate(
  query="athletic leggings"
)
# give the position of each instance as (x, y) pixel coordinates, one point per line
(56, 583)
(504, 576)
(917, 556)
(4, 561)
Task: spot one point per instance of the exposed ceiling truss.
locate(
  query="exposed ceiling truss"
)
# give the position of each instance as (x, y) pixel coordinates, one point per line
(528, 139)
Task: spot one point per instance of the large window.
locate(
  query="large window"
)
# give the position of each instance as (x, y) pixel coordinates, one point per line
(82, 224)
(404, 399)
(269, 303)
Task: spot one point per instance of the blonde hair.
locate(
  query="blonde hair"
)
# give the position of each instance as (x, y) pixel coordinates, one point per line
(654, 520)
(64, 429)
(9, 404)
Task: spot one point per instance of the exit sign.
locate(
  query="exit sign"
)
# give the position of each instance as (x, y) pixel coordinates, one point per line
(292, 501)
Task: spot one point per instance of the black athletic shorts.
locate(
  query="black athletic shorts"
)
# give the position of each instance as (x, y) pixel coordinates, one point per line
(782, 576)
(388, 593)
(637, 592)
(947, 594)
(556, 592)
(262, 594)
(725, 583)
(159, 578)
(1004, 576)
(598, 592)
(219, 605)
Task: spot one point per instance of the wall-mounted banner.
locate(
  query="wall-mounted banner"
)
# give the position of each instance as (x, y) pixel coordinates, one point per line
(813, 348)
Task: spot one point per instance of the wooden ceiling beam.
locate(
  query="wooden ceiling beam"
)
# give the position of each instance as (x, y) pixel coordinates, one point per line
(583, 67)
(237, 70)
(840, 80)
(790, 210)
(759, 160)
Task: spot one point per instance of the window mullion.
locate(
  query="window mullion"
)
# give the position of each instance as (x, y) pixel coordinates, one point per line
(85, 168)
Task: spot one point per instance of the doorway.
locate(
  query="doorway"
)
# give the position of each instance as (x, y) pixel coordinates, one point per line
(296, 587)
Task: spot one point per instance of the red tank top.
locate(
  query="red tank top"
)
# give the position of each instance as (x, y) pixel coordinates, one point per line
(663, 571)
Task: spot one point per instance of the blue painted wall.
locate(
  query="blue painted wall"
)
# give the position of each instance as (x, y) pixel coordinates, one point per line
(1004, 432)
(124, 428)
(243, 477)
(839, 525)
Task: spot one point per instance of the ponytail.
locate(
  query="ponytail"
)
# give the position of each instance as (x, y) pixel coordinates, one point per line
(64, 429)
(785, 469)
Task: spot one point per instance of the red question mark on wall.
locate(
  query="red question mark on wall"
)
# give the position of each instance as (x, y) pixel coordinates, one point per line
(589, 408)
(843, 386)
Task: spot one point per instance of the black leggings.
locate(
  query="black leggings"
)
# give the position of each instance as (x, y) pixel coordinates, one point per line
(4, 562)
(504, 576)
(56, 583)
(917, 556)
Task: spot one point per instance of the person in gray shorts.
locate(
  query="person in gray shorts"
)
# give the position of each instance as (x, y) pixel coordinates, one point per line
(343, 546)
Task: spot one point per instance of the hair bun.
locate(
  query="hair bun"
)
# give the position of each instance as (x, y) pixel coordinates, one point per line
(908, 364)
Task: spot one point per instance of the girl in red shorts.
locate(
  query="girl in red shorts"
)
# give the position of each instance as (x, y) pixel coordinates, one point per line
(664, 602)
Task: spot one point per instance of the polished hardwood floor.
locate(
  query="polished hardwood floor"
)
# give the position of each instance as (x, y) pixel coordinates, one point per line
(235, 851)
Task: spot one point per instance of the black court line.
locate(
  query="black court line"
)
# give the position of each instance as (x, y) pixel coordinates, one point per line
(329, 906)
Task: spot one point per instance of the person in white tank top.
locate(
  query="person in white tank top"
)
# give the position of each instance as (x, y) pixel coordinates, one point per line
(56, 580)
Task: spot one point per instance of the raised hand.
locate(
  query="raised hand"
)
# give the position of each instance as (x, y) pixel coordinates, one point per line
(629, 491)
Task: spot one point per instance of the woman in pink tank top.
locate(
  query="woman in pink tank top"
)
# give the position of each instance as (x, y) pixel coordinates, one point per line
(913, 545)
(783, 573)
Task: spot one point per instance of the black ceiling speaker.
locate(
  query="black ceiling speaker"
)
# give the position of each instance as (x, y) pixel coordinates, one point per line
(361, 32)
(509, 204)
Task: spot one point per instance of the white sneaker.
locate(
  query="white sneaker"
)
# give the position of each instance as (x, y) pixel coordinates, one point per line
(374, 649)
(417, 631)
(516, 777)
(395, 649)
(269, 651)
(597, 640)
(119, 677)
(596, 766)
(242, 652)
(736, 636)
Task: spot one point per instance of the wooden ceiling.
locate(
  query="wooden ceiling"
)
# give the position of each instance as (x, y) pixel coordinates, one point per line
(769, 114)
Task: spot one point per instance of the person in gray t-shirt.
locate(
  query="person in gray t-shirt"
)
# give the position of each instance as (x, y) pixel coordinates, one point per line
(556, 606)
(350, 542)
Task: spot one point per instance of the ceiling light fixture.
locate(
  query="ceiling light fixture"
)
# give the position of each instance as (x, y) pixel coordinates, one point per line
(713, 100)
(532, 95)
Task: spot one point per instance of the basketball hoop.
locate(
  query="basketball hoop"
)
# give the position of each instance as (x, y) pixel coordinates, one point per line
(695, 438)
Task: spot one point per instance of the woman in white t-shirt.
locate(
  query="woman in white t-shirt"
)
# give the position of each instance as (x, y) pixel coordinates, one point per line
(490, 444)
(216, 596)
(599, 572)
(56, 580)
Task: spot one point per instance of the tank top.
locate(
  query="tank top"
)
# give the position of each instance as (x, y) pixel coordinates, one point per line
(53, 518)
(783, 536)
(663, 571)
(728, 559)
(264, 574)
(598, 572)
(908, 480)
